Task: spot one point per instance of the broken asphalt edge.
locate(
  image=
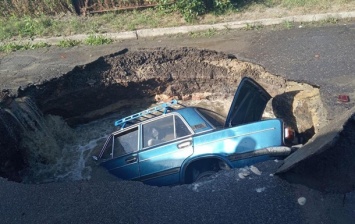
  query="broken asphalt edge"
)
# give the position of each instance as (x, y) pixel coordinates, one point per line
(155, 32)
(326, 138)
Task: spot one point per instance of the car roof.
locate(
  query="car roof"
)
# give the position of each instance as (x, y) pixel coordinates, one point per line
(192, 117)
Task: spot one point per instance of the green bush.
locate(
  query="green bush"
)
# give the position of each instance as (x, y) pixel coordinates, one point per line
(192, 9)
(221, 6)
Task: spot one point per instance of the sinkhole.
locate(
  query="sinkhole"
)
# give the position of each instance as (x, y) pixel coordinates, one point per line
(50, 130)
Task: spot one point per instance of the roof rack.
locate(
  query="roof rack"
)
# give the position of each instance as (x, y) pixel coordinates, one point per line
(162, 108)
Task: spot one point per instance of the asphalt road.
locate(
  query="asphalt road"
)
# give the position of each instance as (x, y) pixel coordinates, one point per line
(259, 197)
(323, 56)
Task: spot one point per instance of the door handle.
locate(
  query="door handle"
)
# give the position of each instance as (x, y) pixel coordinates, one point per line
(184, 144)
(131, 159)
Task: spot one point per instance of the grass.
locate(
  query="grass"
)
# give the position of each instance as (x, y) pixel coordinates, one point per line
(69, 43)
(22, 46)
(331, 20)
(24, 27)
(288, 24)
(97, 40)
(206, 33)
(45, 26)
(15, 28)
(92, 40)
(254, 26)
(321, 4)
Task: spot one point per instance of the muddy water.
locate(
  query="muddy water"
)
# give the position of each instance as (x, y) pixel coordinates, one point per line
(51, 150)
(69, 116)
(61, 153)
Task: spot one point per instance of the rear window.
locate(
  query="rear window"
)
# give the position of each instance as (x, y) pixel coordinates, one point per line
(215, 119)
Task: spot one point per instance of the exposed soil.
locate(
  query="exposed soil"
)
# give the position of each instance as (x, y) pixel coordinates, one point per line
(161, 74)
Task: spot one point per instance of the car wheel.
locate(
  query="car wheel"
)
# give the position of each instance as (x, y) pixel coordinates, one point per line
(203, 175)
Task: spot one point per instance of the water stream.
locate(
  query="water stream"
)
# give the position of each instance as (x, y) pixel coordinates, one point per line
(53, 151)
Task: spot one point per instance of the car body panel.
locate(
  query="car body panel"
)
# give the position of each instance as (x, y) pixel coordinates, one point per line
(163, 160)
(232, 142)
(240, 139)
(123, 169)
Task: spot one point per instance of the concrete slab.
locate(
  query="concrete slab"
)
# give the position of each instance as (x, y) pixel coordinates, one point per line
(326, 138)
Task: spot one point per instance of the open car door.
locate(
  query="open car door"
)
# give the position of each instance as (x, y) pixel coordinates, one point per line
(248, 104)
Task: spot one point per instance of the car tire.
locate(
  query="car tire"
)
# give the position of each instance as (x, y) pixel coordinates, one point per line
(203, 175)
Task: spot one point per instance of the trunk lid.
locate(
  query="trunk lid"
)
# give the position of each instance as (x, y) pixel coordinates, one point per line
(248, 104)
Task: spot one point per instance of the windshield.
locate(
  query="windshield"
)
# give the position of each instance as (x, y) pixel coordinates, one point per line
(215, 119)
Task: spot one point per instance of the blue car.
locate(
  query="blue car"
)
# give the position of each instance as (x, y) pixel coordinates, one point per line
(184, 145)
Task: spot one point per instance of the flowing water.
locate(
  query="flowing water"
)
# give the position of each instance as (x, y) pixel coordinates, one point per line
(52, 150)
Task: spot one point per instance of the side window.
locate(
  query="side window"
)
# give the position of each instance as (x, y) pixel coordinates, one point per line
(126, 142)
(163, 130)
(181, 129)
(215, 119)
(121, 144)
(158, 131)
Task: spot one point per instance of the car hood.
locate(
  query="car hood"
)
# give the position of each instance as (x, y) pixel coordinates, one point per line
(248, 104)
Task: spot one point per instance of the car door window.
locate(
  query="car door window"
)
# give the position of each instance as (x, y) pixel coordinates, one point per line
(126, 142)
(163, 130)
(181, 128)
(121, 144)
(154, 132)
